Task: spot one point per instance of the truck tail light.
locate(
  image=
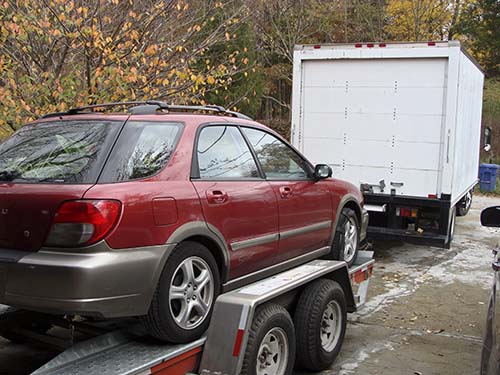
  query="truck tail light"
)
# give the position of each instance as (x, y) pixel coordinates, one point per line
(406, 212)
(83, 222)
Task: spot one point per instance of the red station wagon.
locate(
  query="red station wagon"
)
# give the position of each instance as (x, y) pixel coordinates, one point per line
(155, 211)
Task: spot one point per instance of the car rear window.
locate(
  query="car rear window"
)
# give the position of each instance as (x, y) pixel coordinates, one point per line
(57, 151)
(142, 150)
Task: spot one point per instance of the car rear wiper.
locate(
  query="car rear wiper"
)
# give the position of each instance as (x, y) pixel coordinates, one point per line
(8, 175)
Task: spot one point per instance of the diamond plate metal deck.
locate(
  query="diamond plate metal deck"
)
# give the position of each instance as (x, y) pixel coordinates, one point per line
(115, 353)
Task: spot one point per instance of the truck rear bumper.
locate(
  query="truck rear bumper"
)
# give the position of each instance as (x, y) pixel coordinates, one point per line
(100, 282)
(432, 239)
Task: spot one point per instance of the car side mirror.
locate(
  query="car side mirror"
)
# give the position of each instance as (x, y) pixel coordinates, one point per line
(487, 139)
(322, 171)
(490, 217)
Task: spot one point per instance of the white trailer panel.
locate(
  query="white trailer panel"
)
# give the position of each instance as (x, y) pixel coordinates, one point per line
(408, 114)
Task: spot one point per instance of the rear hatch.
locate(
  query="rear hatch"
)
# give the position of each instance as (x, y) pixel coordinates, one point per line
(43, 165)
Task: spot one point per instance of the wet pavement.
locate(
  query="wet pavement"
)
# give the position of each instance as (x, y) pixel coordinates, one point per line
(426, 307)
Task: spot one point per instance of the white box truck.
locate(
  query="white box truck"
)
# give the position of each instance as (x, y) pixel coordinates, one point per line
(401, 121)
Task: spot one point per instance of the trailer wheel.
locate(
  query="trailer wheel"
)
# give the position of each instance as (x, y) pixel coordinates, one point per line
(320, 322)
(271, 343)
(346, 241)
(463, 206)
(185, 295)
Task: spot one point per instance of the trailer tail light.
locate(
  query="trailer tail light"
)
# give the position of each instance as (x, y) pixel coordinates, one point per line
(406, 212)
(362, 275)
(431, 44)
(358, 45)
(432, 196)
(382, 45)
(83, 222)
(317, 46)
(370, 45)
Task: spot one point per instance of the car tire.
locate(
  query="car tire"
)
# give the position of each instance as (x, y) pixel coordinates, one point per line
(184, 298)
(320, 324)
(463, 206)
(346, 242)
(271, 342)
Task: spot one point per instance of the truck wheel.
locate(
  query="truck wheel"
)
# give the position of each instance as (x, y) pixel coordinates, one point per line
(463, 206)
(185, 295)
(346, 240)
(271, 343)
(320, 323)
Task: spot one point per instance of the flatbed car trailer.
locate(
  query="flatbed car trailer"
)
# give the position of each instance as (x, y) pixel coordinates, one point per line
(250, 332)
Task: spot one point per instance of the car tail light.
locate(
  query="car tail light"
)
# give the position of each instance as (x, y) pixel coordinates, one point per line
(83, 222)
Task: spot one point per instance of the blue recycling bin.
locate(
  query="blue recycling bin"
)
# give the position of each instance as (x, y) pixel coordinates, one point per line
(488, 176)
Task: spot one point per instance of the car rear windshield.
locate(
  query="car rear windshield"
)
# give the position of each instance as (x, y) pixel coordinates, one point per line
(65, 152)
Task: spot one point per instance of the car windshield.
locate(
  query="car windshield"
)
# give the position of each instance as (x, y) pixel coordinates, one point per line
(57, 151)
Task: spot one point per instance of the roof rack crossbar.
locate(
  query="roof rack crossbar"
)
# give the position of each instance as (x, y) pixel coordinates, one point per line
(161, 105)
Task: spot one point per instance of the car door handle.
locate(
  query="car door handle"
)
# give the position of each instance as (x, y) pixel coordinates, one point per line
(216, 196)
(285, 192)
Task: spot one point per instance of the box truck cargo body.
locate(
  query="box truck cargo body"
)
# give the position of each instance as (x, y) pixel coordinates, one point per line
(401, 121)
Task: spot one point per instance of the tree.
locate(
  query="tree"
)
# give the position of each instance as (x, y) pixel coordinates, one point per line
(480, 26)
(417, 20)
(59, 53)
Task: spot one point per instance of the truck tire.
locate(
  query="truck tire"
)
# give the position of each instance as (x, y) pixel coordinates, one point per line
(271, 342)
(346, 241)
(320, 322)
(463, 206)
(184, 298)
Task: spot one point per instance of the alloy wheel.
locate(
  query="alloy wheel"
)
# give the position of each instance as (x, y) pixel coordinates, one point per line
(350, 239)
(191, 292)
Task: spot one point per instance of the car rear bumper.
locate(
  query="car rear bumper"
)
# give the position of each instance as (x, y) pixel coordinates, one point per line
(364, 224)
(97, 281)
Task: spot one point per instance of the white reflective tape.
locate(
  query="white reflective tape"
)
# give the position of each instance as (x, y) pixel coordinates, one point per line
(243, 317)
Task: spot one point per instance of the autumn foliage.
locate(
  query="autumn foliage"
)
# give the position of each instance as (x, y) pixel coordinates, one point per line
(56, 54)
(59, 53)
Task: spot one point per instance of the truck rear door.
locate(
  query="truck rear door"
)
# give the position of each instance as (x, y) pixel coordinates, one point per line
(376, 120)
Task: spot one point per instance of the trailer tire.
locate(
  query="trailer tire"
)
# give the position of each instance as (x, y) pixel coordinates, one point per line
(271, 342)
(170, 304)
(463, 206)
(320, 303)
(348, 221)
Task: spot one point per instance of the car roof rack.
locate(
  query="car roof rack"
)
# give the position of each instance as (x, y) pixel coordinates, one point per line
(149, 107)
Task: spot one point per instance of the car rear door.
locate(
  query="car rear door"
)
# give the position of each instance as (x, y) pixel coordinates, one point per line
(305, 205)
(237, 202)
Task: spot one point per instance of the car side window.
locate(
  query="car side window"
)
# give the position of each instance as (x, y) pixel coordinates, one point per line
(223, 154)
(278, 161)
(142, 150)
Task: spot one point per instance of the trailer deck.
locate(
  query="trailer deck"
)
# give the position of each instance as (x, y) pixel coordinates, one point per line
(123, 348)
